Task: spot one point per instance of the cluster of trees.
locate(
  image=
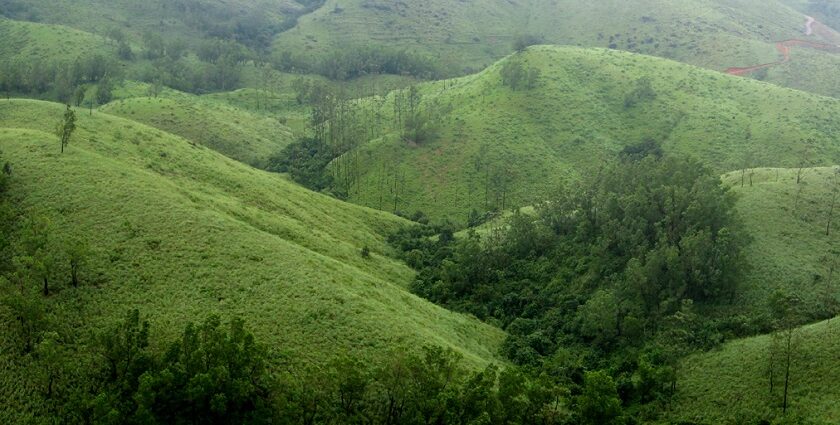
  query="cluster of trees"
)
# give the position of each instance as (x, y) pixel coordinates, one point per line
(328, 160)
(353, 62)
(218, 373)
(62, 81)
(519, 77)
(642, 92)
(607, 270)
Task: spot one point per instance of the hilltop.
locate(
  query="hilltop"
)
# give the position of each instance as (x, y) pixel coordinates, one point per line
(498, 147)
(464, 37)
(181, 232)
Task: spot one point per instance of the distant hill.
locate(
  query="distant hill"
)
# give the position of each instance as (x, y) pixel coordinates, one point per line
(467, 36)
(501, 148)
(181, 232)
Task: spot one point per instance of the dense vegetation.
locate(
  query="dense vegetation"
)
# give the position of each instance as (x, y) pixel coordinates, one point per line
(595, 239)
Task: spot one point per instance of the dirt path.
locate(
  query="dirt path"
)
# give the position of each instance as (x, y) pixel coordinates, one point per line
(784, 49)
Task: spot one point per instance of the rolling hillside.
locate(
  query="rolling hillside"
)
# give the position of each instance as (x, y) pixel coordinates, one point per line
(238, 133)
(730, 385)
(502, 147)
(788, 222)
(181, 232)
(465, 36)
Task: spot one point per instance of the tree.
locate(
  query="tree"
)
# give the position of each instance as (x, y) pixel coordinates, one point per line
(786, 310)
(66, 127)
(77, 254)
(598, 403)
(50, 358)
(104, 91)
(522, 42)
(36, 258)
(211, 375)
(29, 315)
(641, 93)
(834, 184)
(79, 95)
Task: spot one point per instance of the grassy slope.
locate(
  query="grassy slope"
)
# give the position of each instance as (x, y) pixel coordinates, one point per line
(135, 18)
(790, 250)
(576, 117)
(731, 385)
(235, 132)
(715, 34)
(26, 41)
(181, 232)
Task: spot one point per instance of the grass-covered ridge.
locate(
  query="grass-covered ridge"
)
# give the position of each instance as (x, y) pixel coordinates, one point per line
(181, 232)
(730, 385)
(499, 145)
(235, 132)
(788, 223)
(465, 36)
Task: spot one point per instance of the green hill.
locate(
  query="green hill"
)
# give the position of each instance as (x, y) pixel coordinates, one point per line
(27, 41)
(181, 232)
(464, 36)
(235, 132)
(499, 148)
(731, 385)
(788, 221)
(189, 20)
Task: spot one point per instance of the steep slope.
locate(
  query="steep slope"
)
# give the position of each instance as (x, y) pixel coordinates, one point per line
(181, 232)
(235, 132)
(796, 236)
(499, 148)
(715, 34)
(731, 385)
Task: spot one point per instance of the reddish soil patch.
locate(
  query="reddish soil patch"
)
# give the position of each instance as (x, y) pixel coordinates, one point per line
(784, 49)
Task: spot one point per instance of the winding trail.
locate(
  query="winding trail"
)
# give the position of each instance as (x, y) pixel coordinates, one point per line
(784, 49)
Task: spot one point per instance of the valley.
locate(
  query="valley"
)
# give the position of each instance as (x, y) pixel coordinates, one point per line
(439, 212)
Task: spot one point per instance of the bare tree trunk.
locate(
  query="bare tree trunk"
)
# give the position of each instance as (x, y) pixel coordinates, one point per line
(787, 370)
(831, 213)
(46, 287)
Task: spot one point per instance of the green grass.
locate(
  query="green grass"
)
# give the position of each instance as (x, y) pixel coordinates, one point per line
(463, 36)
(236, 132)
(136, 18)
(790, 249)
(181, 232)
(731, 385)
(26, 41)
(575, 119)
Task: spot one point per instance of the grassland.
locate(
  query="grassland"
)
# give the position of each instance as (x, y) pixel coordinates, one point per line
(788, 221)
(467, 36)
(525, 142)
(168, 19)
(180, 232)
(27, 41)
(731, 385)
(238, 133)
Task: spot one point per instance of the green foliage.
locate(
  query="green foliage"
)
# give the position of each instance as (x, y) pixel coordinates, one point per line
(517, 77)
(599, 402)
(212, 375)
(175, 213)
(65, 128)
(643, 92)
(306, 161)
